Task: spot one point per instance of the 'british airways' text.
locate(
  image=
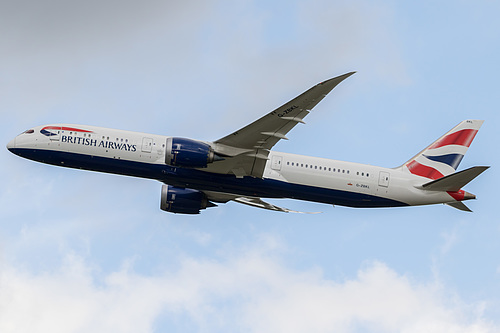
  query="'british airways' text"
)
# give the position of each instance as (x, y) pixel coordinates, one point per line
(96, 143)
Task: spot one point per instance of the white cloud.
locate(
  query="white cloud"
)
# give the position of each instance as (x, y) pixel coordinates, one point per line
(252, 290)
(450, 240)
(74, 28)
(61, 57)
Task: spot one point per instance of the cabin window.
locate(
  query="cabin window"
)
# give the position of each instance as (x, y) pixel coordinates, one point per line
(367, 175)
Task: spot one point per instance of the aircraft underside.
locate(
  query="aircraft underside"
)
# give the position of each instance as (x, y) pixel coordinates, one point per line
(204, 181)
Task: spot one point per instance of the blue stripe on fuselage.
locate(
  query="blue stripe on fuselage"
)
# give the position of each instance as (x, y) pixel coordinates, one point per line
(205, 181)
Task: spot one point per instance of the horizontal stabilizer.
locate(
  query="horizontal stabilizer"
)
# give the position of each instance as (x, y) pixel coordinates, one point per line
(459, 205)
(455, 181)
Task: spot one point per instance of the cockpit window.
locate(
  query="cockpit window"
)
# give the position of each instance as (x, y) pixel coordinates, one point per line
(30, 131)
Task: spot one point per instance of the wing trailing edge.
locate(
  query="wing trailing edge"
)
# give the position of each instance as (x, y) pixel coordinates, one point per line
(222, 197)
(259, 203)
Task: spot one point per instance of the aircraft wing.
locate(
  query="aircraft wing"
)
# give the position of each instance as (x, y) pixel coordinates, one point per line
(246, 150)
(265, 132)
(250, 201)
(259, 203)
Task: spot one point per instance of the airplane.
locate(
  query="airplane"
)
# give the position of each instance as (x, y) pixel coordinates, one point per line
(241, 166)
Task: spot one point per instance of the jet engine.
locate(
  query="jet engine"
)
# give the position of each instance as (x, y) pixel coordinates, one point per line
(183, 200)
(189, 153)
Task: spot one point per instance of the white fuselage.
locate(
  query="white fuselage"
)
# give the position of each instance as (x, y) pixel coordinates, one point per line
(285, 175)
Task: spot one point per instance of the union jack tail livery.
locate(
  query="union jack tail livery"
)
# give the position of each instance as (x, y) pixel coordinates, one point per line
(439, 161)
(444, 155)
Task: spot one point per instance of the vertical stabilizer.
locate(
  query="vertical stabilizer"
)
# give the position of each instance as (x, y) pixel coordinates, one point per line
(444, 155)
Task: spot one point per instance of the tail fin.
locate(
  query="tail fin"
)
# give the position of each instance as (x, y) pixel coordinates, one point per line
(444, 155)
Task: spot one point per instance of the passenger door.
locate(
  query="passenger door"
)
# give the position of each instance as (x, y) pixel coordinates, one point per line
(147, 145)
(383, 179)
(276, 162)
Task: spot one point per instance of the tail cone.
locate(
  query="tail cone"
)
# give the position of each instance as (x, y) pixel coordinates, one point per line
(469, 196)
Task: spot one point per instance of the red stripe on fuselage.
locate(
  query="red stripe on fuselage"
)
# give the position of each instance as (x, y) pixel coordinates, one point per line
(460, 138)
(66, 129)
(423, 170)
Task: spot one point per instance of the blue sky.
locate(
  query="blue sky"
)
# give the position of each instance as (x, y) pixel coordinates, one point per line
(82, 251)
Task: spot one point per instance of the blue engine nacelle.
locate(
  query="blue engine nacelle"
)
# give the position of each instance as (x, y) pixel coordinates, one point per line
(183, 200)
(188, 153)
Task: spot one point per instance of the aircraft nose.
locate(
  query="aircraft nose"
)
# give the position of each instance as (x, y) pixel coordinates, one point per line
(11, 145)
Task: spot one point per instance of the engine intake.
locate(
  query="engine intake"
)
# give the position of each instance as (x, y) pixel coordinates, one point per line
(183, 200)
(188, 153)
